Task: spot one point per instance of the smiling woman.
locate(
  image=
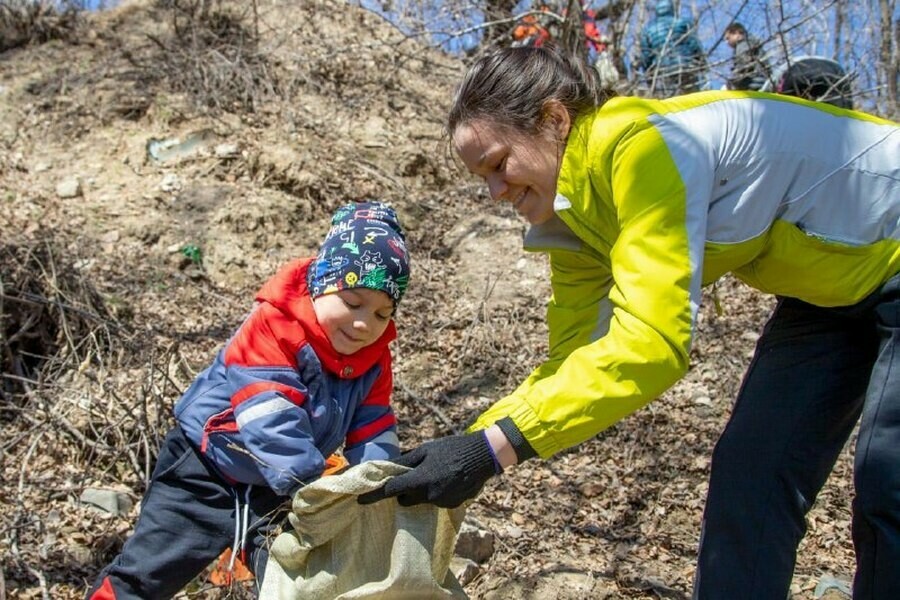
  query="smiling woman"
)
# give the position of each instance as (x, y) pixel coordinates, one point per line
(639, 204)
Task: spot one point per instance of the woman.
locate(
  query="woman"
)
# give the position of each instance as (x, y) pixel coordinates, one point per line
(640, 203)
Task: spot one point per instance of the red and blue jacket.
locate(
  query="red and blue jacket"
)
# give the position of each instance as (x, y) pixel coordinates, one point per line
(278, 398)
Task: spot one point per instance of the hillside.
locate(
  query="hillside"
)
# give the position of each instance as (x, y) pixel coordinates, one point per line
(150, 183)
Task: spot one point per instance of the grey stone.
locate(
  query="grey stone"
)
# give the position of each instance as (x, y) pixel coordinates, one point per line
(108, 501)
(474, 543)
(464, 570)
(69, 188)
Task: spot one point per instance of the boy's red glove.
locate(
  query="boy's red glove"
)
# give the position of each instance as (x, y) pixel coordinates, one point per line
(446, 472)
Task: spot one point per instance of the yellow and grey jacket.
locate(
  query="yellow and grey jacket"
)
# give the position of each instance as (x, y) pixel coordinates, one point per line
(656, 199)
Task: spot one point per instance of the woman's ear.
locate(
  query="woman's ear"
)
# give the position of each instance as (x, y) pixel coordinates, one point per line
(555, 118)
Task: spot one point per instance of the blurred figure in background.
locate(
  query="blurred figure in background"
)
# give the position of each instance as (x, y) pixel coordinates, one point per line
(535, 30)
(599, 50)
(816, 78)
(672, 58)
(749, 70)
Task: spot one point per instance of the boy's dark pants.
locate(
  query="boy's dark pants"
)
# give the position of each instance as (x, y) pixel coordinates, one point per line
(187, 519)
(814, 372)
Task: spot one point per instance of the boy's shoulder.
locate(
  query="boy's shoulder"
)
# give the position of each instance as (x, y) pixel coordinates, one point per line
(287, 289)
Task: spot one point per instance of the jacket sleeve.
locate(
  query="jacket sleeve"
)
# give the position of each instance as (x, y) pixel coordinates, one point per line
(373, 428)
(261, 366)
(637, 344)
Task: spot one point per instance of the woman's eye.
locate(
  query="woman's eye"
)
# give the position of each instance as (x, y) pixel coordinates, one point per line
(382, 317)
(501, 165)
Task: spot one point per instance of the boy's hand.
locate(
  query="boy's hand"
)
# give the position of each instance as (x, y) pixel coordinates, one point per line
(446, 472)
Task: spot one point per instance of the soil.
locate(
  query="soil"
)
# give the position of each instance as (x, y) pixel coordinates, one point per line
(156, 260)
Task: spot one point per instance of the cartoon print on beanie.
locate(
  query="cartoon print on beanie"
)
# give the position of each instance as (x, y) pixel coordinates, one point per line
(365, 247)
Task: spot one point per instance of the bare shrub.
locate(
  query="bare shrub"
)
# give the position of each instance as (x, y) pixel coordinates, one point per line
(24, 22)
(212, 55)
(51, 318)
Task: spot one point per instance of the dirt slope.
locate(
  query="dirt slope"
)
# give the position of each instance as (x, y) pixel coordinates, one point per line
(283, 132)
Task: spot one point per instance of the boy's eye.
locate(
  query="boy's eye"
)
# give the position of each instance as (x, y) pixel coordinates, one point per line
(350, 305)
(384, 317)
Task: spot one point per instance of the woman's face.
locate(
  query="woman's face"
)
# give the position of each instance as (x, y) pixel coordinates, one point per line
(519, 168)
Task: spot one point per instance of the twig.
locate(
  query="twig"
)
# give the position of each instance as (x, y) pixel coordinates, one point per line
(481, 312)
(36, 300)
(430, 406)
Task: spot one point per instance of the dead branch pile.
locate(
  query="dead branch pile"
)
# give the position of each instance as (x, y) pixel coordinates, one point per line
(51, 318)
(212, 55)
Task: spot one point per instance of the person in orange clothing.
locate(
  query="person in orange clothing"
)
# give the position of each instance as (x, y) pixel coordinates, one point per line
(596, 42)
(532, 30)
(308, 372)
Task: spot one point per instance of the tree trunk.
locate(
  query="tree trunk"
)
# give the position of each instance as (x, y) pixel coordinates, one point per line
(890, 56)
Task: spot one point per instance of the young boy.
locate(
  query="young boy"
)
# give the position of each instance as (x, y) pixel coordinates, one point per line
(309, 370)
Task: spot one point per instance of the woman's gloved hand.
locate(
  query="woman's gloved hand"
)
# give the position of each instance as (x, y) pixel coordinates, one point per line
(446, 472)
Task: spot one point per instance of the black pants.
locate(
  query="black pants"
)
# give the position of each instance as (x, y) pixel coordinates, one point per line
(815, 371)
(187, 519)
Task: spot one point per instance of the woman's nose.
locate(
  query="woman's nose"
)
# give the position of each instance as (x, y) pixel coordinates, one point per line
(496, 186)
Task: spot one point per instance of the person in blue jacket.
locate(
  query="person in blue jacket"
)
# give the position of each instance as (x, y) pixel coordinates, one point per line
(308, 372)
(672, 57)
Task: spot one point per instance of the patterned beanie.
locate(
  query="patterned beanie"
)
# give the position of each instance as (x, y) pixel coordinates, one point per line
(365, 248)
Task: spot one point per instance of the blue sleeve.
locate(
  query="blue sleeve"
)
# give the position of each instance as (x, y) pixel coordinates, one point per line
(274, 427)
(373, 429)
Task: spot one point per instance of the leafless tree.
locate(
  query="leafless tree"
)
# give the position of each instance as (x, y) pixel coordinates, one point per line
(862, 36)
(889, 63)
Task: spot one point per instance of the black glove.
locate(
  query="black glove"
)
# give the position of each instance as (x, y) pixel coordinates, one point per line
(446, 472)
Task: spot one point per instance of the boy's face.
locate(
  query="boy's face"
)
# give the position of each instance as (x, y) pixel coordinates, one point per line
(354, 318)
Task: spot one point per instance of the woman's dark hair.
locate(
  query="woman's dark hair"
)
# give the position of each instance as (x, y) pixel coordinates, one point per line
(511, 87)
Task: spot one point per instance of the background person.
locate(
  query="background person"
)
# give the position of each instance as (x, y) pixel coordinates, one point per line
(749, 70)
(639, 204)
(672, 58)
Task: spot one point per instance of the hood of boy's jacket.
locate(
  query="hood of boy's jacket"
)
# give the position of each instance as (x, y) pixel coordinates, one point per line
(162, 162)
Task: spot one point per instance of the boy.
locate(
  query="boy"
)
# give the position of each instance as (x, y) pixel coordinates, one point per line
(307, 371)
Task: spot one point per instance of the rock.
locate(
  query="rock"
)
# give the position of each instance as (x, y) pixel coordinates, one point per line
(464, 569)
(69, 188)
(170, 183)
(474, 543)
(108, 501)
(832, 588)
(515, 532)
(750, 336)
(226, 150)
